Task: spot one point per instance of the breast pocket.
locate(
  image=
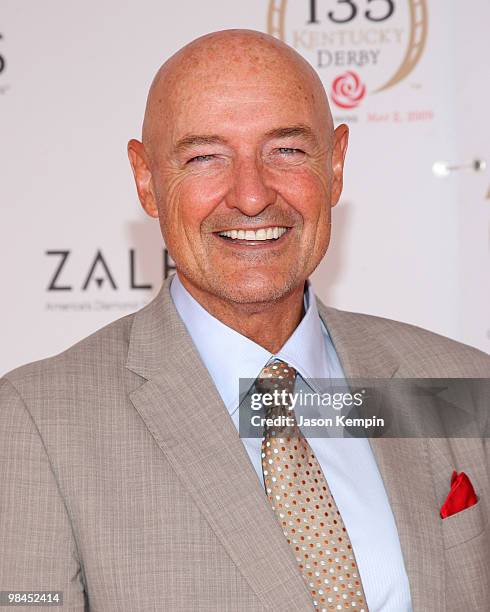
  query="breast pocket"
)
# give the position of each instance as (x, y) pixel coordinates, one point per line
(466, 556)
(463, 526)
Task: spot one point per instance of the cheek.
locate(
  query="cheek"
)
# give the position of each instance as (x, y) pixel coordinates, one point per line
(306, 191)
(193, 198)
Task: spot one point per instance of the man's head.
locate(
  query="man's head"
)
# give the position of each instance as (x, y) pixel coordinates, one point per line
(238, 138)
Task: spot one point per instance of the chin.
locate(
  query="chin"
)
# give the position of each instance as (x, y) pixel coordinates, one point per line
(253, 288)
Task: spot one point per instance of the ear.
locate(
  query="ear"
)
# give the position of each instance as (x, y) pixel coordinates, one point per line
(142, 176)
(340, 140)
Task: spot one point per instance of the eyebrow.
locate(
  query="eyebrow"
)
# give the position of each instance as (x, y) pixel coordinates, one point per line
(195, 140)
(293, 130)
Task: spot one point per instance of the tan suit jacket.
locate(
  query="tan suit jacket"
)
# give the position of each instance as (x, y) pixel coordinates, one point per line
(125, 485)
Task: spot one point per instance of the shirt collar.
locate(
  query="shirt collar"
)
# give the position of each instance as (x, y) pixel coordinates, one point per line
(229, 356)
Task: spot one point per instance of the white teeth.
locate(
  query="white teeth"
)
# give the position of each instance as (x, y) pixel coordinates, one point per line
(261, 234)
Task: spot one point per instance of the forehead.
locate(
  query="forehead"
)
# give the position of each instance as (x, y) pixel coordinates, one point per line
(250, 104)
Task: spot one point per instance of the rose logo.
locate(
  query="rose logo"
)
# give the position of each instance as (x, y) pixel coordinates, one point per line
(347, 90)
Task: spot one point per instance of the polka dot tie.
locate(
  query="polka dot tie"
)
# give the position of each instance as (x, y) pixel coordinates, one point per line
(303, 504)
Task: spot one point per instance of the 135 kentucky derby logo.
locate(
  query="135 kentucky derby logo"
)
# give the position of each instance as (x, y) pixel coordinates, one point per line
(359, 47)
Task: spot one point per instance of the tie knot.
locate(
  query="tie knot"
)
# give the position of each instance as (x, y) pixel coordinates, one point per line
(277, 375)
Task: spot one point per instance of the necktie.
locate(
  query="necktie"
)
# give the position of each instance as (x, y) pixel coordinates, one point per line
(302, 502)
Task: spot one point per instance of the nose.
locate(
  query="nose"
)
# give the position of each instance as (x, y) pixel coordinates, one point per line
(249, 192)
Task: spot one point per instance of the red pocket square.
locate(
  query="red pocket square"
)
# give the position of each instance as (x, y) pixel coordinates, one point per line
(461, 496)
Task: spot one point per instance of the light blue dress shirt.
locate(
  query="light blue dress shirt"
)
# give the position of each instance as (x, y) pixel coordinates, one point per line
(348, 463)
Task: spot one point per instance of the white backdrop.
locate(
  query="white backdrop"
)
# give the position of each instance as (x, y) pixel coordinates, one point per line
(73, 83)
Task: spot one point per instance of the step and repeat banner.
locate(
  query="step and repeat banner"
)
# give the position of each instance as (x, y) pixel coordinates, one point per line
(410, 238)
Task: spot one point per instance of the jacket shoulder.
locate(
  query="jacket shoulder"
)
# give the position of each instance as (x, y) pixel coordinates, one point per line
(420, 352)
(105, 349)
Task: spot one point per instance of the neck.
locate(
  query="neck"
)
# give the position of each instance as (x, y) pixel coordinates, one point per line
(268, 324)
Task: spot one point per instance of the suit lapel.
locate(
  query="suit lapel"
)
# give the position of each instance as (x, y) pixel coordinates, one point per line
(404, 463)
(183, 411)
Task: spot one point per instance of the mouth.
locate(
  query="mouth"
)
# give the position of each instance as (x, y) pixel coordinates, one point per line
(258, 237)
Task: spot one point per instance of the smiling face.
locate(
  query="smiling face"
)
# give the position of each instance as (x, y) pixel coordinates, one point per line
(241, 166)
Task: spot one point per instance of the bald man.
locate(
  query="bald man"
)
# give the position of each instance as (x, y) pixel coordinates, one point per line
(125, 483)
